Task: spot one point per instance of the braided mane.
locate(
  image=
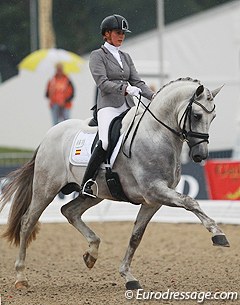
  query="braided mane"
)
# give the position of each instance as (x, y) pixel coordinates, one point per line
(179, 79)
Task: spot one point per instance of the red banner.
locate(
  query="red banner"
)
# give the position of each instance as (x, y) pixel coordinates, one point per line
(223, 179)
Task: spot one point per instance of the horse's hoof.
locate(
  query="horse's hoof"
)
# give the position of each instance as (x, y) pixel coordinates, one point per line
(133, 285)
(89, 260)
(21, 285)
(220, 240)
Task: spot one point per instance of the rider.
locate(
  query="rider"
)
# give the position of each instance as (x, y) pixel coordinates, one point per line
(118, 81)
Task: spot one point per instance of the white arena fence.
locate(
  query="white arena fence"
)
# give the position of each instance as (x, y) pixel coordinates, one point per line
(222, 211)
(227, 212)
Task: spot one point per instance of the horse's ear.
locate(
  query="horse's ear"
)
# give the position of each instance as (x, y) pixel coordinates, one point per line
(215, 92)
(199, 90)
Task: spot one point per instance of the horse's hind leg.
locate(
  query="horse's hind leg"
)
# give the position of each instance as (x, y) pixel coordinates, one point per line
(144, 216)
(29, 220)
(73, 212)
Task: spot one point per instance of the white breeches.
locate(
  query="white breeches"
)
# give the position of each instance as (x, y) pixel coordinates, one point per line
(105, 117)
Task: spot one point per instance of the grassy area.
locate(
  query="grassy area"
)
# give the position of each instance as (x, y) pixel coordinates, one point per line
(12, 156)
(14, 150)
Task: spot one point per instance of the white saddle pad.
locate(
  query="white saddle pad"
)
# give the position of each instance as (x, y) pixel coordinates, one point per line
(81, 149)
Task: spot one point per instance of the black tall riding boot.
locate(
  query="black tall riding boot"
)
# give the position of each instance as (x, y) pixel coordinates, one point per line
(97, 157)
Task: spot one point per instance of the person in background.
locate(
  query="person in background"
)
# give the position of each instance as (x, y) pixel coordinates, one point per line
(117, 81)
(60, 92)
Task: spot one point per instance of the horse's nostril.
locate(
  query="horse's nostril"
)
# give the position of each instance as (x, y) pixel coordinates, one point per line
(197, 158)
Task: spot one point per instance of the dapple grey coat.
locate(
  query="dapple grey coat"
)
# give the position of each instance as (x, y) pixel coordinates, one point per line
(112, 79)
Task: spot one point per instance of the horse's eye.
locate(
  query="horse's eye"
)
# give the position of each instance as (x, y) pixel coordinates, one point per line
(197, 116)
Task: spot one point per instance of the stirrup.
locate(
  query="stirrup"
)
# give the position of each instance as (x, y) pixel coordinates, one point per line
(85, 187)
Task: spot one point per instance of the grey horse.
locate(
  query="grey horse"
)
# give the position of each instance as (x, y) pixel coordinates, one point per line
(148, 165)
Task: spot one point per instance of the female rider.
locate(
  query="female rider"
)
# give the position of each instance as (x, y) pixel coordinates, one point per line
(118, 81)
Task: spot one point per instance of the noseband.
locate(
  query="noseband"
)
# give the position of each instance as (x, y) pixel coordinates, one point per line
(183, 134)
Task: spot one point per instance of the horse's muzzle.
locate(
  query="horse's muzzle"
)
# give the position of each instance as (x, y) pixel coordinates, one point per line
(198, 153)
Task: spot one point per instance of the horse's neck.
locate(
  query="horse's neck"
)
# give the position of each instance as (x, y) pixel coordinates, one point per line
(164, 113)
(167, 104)
(150, 132)
(150, 138)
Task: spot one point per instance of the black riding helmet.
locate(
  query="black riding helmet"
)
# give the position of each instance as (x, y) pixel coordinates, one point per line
(114, 22)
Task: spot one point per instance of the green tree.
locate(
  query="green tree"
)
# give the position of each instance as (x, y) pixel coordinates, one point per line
(76, 22)
(81, 33)
(15, 27)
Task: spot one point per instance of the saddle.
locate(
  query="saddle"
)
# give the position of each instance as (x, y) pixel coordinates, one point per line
(112, 178)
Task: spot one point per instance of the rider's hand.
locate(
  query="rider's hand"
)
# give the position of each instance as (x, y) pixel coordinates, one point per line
(134, 91)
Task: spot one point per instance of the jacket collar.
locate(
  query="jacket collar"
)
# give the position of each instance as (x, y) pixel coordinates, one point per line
(109, 55)
(111, 48)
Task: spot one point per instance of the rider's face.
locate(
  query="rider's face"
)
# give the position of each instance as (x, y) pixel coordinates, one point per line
(115, 37)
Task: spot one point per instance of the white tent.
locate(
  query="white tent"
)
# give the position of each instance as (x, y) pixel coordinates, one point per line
(205, 46)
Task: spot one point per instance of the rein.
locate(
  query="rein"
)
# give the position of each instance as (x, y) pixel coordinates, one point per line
(183, 134)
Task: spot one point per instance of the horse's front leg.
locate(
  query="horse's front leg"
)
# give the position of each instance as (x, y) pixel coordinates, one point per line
(144, 216)
(218, 237)
(170, 197)
(73, 212)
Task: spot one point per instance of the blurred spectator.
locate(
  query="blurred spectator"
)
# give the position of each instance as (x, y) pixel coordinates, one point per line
(60, 92)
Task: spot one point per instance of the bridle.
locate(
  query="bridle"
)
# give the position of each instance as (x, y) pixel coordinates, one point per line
(187, 115)
(183, 134)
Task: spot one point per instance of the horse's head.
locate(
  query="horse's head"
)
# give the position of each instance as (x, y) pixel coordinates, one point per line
(186, 109)
(195, 122)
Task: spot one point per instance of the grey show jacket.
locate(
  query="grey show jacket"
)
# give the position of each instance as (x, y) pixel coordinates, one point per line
(112, 79)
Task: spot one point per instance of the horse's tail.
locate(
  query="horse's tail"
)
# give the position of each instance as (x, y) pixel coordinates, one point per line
(19, 189)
